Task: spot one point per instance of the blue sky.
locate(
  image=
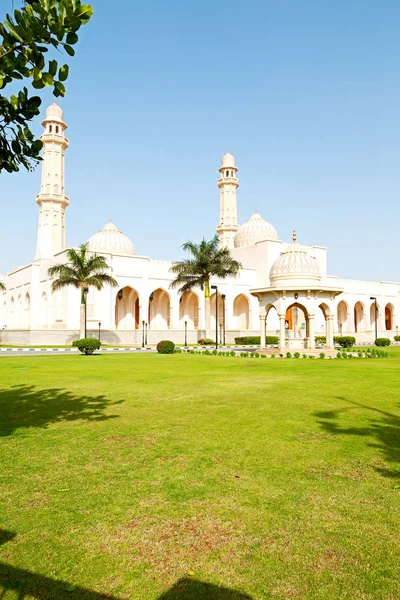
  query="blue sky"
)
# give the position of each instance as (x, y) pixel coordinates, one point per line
(305, 94)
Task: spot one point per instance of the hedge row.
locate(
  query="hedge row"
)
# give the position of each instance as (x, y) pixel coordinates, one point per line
(254, 340)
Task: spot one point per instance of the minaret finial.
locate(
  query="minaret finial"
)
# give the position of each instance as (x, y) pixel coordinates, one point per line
(294, 236)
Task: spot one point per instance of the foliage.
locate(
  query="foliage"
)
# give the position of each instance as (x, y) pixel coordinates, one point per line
(320, 339)
(304, 355)
(83, 269)
(165, 347)
(322, 355)
(208, 260)
(2, 287)
(288, 355)
(382, 342)
(205, 341)
(254, 340)
(177, 350)
(345, 341)
(397, 338)
(296, 355)
(26, 36)
(88, 345)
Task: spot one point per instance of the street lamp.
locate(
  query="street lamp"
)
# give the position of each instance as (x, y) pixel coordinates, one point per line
(215, 287)
(85, 293)
(223, 316)
(145, 334)
(142, 334)
(376, 316)
(99, 329)
(185, 334)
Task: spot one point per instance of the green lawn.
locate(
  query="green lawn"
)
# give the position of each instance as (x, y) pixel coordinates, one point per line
(184, 477)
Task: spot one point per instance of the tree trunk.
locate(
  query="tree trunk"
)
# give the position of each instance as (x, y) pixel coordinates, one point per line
(207, 304)
(82, 315)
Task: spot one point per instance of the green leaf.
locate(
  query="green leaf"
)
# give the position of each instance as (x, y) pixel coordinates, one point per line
(69, 50)
(84, 12)
(47, 78)
(53, 67)
(14, 101)
(72, 38)
(38, 84)
(58, 86)
(63, 73)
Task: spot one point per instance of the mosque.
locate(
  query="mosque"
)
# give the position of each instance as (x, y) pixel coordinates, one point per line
(282, 289)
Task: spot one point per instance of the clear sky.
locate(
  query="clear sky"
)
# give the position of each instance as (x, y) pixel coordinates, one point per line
(304, 93)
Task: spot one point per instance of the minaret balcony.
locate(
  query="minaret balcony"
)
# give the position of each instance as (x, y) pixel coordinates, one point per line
(224, 180)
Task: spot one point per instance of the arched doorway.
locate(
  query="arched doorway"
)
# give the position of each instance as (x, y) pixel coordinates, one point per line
(342, 312)
(389, 317)
(159, 309)
(27, 307)
(359, 317)
(241, 313)
(189, 310)
(127, 311)
(272, 319)
(296, 321)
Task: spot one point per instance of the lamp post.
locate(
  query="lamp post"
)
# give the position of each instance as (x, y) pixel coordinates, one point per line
(99, 330)
(223, 317)
(185, 334)
(145, 334)
(85, 293)
(376, 316)
(215, 287)
(142, 334)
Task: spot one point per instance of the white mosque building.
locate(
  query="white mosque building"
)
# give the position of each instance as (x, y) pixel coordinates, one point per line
(282, 289)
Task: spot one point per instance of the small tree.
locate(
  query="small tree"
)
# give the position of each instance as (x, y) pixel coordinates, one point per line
(84, 269)
(25, 37)
(208, 260)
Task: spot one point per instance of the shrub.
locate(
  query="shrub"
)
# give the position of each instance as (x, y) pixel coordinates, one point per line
(345, 341)
(382, 342)
(214, 352)
(75, 343)
(88, 345)
(272, 355)
(165, 347)
(288, 355)
(256, 354)
(397, 338)
(360, 354)
(339, 355)
(322, 355)
(320, 339)
(296, 355)
(311, 356)
(304, 355)
(232, 353)
(350, 356)
(263, 356)
(205, 342)
(254, 340)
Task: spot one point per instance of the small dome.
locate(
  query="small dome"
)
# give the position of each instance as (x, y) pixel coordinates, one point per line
(295, 266)
(256, 229)
(54, 112)
(111, 240)
(228, 160)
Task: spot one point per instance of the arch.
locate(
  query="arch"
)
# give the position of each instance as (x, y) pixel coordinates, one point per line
(127, 309)
(189, 310)
(272, 319)
(389, 317)
(296, 320)
(374, 314)
(27, 309)
(342, 312)
(159, 309)
(43, 310)
(241, 312)
(12, 313)
(359, 310)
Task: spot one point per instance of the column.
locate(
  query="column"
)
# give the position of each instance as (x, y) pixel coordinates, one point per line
(311, 332)
(262, 332)
(282, 333)
(329, 332)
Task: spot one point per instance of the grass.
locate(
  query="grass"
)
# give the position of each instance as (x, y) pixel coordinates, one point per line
(184, 477)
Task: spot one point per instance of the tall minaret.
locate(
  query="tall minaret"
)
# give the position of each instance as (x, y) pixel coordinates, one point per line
(228, 184)
(52, 199)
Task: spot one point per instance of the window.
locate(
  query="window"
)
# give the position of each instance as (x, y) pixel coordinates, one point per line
(50, 128)
(56, 128)
(227, 174)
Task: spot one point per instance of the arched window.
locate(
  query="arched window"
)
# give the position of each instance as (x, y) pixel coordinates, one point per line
(50, 128)
(56, 128)
(241, 312)
(227, 174)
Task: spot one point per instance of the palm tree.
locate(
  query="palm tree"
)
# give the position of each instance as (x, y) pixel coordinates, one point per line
(84, 269)
(2, 287)
(208, 260)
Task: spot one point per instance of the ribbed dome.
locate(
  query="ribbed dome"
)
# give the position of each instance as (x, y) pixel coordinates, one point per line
(295, 266)
(256, 229)
(111, 240)
(54, 112)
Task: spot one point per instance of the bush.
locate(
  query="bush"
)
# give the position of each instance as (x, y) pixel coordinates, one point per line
(205, 342)
(272, 355)
(254, 340)
(322, 355)
(232, 353)
(382, 342)
(296, 355)
(339, 355)
(304, 355)
(397, 338)
(75, 343)
(288, 355)
(88, 345)
(263, 356)
(320, 339)
(177, 350)
(345, 341)
(165, 347)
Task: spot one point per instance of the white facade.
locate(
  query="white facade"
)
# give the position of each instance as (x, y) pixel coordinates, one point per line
(262, 298)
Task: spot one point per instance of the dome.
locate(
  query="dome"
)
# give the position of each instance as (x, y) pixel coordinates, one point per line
(54, 112)
(295, 266)
(256, 229)
(111, 240)
(228, 160)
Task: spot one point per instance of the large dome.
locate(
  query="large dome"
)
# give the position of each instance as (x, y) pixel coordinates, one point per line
(111, 240)
(256, 229)
(295, 266)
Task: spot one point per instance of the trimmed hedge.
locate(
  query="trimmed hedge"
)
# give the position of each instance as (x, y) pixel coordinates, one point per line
(382, 342)
(345, 341)
(254, 340)
(320, 339)
(205, 342)
(88, 345)
(165, 347)
(397, 338)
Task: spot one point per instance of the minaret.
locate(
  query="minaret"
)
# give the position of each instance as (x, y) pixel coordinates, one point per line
(52, 199)
(228, 184)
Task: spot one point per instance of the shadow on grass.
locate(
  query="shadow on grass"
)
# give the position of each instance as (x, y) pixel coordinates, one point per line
(193, 589)
(23, 406)
(383, 427)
